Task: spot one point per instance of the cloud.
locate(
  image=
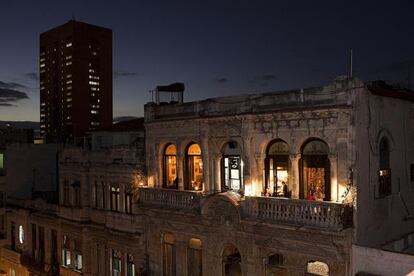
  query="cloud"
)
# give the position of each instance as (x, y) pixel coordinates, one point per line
(222, 80)
(10, 85)
(32, 75)
(10, 96)
(120, 73)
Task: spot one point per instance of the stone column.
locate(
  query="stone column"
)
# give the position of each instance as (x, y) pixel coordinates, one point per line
(217, 173)
(180, 170)
(295, 174)
(259, 159)
(107, 196)
(333, 160)
(121, 198)
(247, 156)
(85, 194)
(157, 169)
(206, 166)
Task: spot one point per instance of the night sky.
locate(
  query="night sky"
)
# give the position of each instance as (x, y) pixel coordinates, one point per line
(217, 48)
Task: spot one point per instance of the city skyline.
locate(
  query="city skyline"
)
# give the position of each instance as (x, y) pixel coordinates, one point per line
(215, 48)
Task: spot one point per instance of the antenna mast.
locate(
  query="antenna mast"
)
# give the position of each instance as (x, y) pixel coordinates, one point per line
(351, 73)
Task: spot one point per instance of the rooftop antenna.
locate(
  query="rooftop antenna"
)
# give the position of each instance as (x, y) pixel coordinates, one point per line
(351, 73)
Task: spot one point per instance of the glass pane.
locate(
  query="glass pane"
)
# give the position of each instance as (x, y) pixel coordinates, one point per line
(282, 180)
(194, 149)
(278, 148)
(67, 257)
(315, 183)
(315, 147)
(171, 150)
(171, 170)
(234, 174)
(235, 184)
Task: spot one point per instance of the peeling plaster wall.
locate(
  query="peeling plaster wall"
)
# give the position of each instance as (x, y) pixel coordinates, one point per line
(380, 220)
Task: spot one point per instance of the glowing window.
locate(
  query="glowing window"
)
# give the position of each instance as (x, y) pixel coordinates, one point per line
(21, 234)
(277, 169)
(170, 167)
(194, 168)
(384, 173)
(315, 183)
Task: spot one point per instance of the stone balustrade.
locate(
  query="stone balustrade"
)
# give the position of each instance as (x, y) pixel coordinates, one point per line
(318, 214)
(171, 199)
(314, 214)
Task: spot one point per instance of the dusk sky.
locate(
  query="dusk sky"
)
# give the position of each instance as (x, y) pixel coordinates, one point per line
(217, 48)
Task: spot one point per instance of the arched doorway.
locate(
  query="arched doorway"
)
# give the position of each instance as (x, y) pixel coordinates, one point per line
(231, 261)
(232, 168)
(193, 168)
(170, 167)
(315, 171)
(277, 169)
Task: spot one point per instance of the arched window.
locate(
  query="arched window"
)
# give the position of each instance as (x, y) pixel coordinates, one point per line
(194, 168)
(231, 261)
(384, 173)
(169, 255)
(277, 169)
(232, 168)
(315, 171)
(195, 257)
(170, 167)
(274, 265)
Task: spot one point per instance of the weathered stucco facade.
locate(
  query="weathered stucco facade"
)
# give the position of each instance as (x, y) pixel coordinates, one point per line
(281, 183)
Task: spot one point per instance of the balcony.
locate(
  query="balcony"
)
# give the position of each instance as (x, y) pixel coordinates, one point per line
(170, 199)
(330, 216)
(312, 214)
